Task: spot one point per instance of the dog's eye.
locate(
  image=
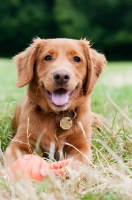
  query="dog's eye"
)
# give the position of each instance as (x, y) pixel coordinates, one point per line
(47, 58)
(76, 59)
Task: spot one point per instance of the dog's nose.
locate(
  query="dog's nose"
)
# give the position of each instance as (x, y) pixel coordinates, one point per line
(61, 76)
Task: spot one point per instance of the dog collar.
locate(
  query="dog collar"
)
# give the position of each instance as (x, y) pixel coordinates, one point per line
(65, 118)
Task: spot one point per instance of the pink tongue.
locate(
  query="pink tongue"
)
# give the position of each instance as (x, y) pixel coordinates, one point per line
(60, 97)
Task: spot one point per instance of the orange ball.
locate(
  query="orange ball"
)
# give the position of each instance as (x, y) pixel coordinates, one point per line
(36, 168)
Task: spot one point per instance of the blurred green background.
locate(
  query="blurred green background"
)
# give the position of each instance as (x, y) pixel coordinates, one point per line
(106, 23)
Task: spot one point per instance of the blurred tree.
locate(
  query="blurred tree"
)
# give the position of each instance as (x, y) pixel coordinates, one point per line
(71, 21)
(108, 24)
(23, 20)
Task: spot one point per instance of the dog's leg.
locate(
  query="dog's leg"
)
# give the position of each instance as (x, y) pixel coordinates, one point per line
(98, 120)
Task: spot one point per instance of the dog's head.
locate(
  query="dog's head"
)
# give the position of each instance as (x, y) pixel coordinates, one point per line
(63, 70)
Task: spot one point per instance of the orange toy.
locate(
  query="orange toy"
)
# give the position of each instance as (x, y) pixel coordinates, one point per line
(36, 168)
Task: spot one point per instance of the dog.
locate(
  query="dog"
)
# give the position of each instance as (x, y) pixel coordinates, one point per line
(54, 117)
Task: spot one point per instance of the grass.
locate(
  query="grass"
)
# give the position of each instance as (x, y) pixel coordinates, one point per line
(110, 178)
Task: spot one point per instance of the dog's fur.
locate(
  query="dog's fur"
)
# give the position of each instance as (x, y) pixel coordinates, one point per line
(38, 115)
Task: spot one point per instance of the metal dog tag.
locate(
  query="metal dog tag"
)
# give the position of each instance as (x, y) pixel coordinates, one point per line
(66, 123)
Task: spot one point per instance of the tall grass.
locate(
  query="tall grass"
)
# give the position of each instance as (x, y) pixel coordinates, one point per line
(110, 177)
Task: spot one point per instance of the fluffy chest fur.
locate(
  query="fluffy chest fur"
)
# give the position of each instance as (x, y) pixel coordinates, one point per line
(44, 134)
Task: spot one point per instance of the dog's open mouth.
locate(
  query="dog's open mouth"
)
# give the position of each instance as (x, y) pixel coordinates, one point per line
(60, 97)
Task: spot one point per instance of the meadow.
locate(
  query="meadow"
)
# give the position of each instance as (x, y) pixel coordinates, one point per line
(110, 177)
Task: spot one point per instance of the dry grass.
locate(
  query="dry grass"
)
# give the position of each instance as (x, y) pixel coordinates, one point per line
(110, 177)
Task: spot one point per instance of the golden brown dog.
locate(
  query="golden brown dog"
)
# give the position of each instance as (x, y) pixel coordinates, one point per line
(55, 113)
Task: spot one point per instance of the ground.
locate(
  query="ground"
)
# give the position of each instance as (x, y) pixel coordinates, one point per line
(110, 177)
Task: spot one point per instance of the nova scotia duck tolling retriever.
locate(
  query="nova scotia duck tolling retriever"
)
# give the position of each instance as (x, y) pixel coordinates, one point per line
(54, 118)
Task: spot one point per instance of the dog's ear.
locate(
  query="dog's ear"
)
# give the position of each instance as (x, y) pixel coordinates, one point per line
(25, 63)
(98, 64)
(95, 64)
